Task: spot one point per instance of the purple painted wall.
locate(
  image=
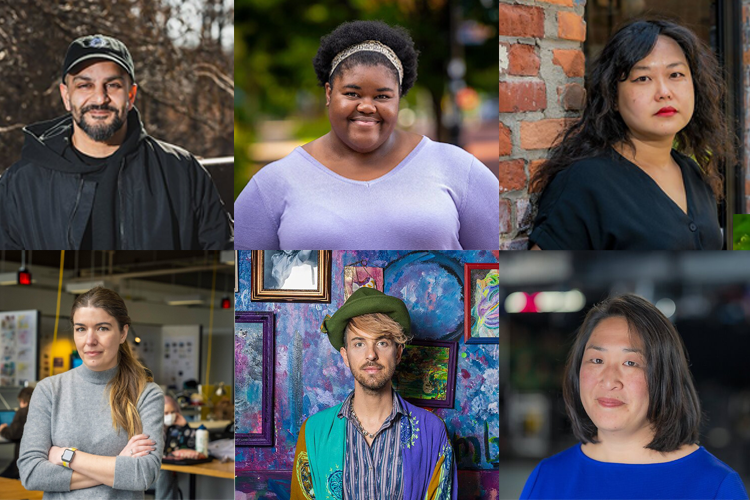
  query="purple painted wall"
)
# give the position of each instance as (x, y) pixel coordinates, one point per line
(310, 375)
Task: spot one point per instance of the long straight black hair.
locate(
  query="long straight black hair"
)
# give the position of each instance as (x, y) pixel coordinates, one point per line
(706, 137)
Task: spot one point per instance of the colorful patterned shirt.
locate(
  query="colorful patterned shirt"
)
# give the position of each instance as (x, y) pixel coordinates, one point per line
(376, 471)
(427, 469)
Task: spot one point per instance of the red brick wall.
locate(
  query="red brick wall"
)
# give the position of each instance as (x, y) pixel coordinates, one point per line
(541, 87)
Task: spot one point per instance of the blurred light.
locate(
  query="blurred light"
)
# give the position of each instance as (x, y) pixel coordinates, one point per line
(666, 306)
(719, 437)
(467, 99)
(8, 279)
(184, 300)
(226, 303)
(24, 277)
(516, 302)
(137, 340)
(407, 117)
(80, 287)
(545, 302)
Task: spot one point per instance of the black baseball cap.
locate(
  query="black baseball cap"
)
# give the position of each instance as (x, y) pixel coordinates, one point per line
(98, 47)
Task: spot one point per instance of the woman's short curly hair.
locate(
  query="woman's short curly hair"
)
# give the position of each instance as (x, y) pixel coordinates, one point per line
(354, 32)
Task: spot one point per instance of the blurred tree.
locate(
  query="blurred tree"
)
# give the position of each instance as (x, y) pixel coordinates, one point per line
(184, 73)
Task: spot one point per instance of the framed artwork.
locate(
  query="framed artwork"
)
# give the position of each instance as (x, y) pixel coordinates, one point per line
(356, 277)
(236, 272)
(253, 378)
(481, 303)
(426, 375)
(291, 276)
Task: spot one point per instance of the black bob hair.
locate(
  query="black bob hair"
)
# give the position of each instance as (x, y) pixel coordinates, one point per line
(354, 32)
(707, 136)
(673, 406)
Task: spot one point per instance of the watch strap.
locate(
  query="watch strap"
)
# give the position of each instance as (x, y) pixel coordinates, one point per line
(67, 463)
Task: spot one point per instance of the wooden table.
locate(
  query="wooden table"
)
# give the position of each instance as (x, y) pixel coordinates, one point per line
(12, 489)
(214, 469)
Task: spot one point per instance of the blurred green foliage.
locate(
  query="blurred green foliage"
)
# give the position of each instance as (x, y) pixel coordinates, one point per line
(275, 42)
(742, 232)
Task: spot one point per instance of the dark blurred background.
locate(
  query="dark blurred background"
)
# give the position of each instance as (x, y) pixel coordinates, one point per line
(544, 298)
(184, 68)
(279, 104)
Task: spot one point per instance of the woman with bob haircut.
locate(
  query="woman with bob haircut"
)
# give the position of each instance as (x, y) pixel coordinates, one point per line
(630, 397)
(95, 431)
(366, 184)
(640, 169)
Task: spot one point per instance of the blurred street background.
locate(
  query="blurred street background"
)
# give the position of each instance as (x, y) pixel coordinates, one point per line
(544, 297)
(279, 104)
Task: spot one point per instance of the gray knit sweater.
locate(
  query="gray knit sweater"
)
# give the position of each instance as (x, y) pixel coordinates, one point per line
(72, 410)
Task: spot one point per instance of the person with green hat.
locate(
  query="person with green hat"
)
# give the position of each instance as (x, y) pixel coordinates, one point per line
(93, 179)
(374, 445)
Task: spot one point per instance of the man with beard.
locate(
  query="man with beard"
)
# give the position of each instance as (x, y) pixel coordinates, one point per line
(374, 445)
(94, 179)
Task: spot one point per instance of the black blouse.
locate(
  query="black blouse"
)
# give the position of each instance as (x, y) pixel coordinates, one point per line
(608, 203)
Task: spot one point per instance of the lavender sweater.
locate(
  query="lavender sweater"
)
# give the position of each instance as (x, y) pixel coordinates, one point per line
(439, 198)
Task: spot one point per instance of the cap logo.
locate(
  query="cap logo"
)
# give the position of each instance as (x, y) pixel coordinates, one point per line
(97, 42)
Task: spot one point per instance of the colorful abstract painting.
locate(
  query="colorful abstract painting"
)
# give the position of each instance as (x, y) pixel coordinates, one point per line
(356, 277)
(482, 308)
(427, 373)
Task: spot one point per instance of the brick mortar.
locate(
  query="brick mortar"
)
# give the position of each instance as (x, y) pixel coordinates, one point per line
(553, 76)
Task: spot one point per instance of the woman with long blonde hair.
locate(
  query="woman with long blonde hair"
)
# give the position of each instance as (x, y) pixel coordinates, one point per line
(95, 431)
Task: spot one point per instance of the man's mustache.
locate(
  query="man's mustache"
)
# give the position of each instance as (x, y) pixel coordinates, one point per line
(97, 107)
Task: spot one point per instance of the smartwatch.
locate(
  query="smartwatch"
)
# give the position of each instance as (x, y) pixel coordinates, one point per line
(67, 456)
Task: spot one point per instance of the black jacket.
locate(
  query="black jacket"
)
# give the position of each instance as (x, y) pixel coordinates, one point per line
(13, 433)
(167, 200)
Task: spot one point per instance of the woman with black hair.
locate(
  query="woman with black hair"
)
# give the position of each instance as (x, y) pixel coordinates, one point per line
(622, 177)
(367, 184)
(630, 398)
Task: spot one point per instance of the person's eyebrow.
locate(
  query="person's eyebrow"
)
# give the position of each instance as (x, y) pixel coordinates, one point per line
(385, 89)
(108, 79)
(102, 323)
(352, 86)
(624, 349)
(647, 68)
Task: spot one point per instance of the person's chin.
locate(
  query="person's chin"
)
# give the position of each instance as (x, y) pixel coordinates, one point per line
(365, 146)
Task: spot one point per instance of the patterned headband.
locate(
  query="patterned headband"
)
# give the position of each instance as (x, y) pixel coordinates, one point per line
(370, 46)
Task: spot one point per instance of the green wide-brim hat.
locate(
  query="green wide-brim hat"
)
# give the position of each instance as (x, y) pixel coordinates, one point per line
(364, 301)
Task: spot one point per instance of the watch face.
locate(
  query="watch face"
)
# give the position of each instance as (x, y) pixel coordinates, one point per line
(67, 455)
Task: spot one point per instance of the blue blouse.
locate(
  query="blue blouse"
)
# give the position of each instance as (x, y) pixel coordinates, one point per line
(573, 475)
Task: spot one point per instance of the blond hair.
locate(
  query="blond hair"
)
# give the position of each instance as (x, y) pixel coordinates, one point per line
(378, 324)
(131, 377)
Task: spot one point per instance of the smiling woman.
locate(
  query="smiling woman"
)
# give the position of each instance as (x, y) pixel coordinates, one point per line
(631, 401)
(367, 184)
(640, 170)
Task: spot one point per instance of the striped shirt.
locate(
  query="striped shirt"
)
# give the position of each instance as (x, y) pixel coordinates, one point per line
(373, 472)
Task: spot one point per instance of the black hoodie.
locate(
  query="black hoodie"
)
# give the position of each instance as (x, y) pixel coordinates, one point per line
(165, 199)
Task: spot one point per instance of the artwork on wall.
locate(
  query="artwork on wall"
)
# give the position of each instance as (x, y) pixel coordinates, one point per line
(426, 375)
(19, 333)
(358, 276)
(481, 304)
(253, 378)
(181, 357)
(291, 275)
(236, 272)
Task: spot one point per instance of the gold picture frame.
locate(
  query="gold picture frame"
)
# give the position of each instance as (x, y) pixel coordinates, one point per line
(291, 276)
